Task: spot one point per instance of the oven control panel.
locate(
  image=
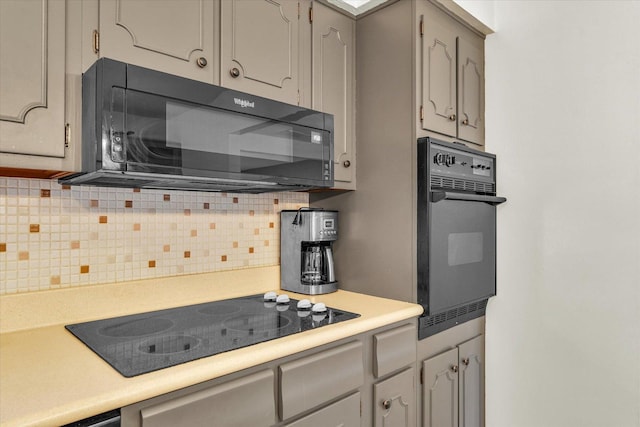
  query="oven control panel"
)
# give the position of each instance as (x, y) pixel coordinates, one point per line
(450, 161)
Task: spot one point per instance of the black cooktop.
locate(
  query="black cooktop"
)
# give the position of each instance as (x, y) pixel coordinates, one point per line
(146, 342)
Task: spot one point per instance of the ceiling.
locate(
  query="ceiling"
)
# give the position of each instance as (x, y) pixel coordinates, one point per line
(356, 7)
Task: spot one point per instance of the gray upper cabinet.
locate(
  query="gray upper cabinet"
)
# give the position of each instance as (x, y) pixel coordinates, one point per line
(260, 48)
(452, 58)
(36, 93)
(176, 36)
(333, 77)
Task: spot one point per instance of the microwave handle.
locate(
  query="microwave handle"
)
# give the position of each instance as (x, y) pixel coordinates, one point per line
(437, 196)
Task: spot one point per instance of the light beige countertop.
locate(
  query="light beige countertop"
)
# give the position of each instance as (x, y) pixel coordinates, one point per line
(48, 377)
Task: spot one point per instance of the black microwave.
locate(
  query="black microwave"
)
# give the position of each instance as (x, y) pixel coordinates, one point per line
(142, 128)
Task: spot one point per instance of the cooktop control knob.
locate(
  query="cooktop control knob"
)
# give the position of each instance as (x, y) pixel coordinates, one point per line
(318, 317)
(304, 304)
(319, 307)
(282, 299)
(270, 296)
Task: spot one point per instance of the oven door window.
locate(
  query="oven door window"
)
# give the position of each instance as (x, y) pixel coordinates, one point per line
(462, 253)
(169, 136)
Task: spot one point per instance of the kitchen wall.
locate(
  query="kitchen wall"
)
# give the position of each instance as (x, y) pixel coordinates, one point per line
(563, 116)
(53, 236)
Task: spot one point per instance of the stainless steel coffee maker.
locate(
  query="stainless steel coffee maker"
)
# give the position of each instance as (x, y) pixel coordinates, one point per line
(306, 256)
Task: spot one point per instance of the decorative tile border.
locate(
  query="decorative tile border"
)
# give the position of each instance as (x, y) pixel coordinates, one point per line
(54, 236)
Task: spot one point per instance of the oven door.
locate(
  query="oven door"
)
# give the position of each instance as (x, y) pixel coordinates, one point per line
(462, 249)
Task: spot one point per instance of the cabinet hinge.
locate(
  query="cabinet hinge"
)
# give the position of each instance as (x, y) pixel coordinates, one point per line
(96, 41)
(67, 135)
(421, 27)
(298, 96)
(421, 113)
(311, 14)
(298, 11)
(361, 409)
(421, 372)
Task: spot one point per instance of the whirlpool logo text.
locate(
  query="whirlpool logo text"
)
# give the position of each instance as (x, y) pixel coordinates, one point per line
(244, 103)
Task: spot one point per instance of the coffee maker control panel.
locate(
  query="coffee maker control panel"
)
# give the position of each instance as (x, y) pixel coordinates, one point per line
(323, 227)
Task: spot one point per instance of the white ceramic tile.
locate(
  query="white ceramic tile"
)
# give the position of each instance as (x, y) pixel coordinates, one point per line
(114, 251)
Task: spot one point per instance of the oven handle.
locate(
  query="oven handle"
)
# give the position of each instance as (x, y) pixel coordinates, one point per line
(437, 196)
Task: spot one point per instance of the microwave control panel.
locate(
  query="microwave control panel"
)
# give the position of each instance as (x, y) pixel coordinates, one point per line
(462, 164)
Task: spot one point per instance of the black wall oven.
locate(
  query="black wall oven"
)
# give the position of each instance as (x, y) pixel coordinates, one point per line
(456, 233)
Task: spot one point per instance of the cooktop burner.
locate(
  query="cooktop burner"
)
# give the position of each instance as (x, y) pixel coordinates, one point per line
(146, 342)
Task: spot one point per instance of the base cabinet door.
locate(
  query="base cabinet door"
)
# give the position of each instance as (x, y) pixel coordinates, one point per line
(453, 386)
(173, 36)
(394, 401)
(471, 362)
(440, 390)
(344, 413)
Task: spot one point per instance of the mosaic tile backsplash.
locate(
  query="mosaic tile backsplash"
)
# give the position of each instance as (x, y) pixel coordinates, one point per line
(54, 236)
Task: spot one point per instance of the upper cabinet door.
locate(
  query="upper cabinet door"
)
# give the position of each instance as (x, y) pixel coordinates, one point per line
(470, 92)
(439, 78)
(260, 48)
(32, 77)
(174, 36)
(333, 76)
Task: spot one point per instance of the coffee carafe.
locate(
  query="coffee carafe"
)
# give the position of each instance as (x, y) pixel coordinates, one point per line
(306, 255)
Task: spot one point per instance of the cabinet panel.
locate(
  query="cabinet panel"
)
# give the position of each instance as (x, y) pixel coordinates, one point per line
(247, 401)
(344, 413)
(440, 390)
(394, 349)
(470, 92)
(394, 401)
(32, 77)
(471, 362)
(172, 38)
(260, 48)
(313, 380)
(439, 78)
(333, 46)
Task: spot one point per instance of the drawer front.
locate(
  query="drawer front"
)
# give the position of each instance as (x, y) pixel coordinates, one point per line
(343, 413)
(314, 380)
(247, 401)
(394, 349)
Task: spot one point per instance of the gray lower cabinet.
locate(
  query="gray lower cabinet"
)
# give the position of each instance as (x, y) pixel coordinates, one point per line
(395, 401)
(309, 382)
(247, 401)
(368, 379)
(394, 395)
(344, 413)
(453, 386)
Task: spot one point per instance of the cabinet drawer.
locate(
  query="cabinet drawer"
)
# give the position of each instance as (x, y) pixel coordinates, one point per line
(247, 401)
(394, 349)
(314, 380)
(343, 413)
